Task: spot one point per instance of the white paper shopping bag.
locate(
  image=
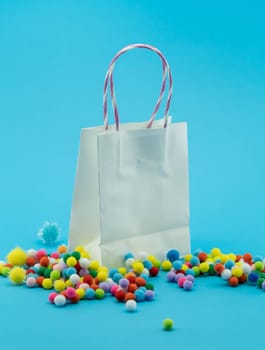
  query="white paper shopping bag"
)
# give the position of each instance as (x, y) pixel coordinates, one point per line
(131, 189)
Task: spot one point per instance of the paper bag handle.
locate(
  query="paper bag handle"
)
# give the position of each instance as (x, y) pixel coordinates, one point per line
(109, 79)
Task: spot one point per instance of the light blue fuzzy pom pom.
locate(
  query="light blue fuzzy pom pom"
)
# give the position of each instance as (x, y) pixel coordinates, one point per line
(49, 233)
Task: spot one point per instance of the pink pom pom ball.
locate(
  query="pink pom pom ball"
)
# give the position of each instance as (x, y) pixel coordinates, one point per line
(70, 292)
(52, 297)
(181, 281)
(114, 289)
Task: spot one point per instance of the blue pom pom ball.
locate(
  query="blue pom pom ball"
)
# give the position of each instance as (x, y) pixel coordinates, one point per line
(49, 233)
(172, 255)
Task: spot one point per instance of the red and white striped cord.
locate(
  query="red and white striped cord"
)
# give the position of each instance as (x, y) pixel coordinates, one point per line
(109, 80)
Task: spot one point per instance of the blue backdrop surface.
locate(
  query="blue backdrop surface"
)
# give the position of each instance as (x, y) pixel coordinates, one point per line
(53, 58)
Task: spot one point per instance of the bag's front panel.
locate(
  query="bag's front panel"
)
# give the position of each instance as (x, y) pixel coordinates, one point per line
(143, 183)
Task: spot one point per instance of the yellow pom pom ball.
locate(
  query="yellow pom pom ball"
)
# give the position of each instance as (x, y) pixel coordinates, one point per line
(81, 292)
(104, 268)
(71, 261)
(187, 257)
(59, 285)
(122, 270)
(184, 267)
(85, 254)
(137, 267)
(166, 265)
(224, 258)
(217, 258)
(237, 271)
(94, 265)
(215, 252)
(68, 283)
(17, 257)
(102, 276)
(232, 257)
(47, 283)
(79, 249)
(17, 275)
(151, 258)
(204, 267)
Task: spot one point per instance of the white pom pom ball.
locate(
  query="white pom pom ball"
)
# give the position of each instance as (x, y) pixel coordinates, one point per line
(226, 274)
(59, 300)
(131, 305)
(84, 263)
(129, 262)
(74, 278)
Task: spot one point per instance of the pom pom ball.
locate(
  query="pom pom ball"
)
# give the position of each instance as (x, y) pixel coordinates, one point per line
(168, 324)
(71, 261)
(253, 277)
(154, 271)
(52, 297)
(237, 271)
(114, 289)
(90, 294)
(49, 233)
(17, 275)
(202, 256)
(74, 278)
(80, 292)
(105, 286)
(102, 276)
(166, 265)
(129, 296)
(17, 257)
(233, 281)
(258, 265)
(44, 261)
(226, 274)
(190, 278)
(218, 268)
(131, 305)
(187, 285)
(129, 262)
(139, 295)
(47, 283)
(149, 295)
(55, 275)
(120, 295)
(128, 255)
(70, 292)
(138, 267)
(229, 264)
(59, 300)
(171, 276)
(247, 257)
(181, 281)
(124, 283)
(31, 282)
(59, 285)
(204, 267)
(216, 252)
(172, 255)
(195, 261)
(99, 293)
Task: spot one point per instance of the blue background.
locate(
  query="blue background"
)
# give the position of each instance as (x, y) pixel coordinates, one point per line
(53, 58)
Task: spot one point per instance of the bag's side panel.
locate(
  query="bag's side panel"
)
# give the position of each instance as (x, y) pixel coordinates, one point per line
(144, 191)
(84, 221)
